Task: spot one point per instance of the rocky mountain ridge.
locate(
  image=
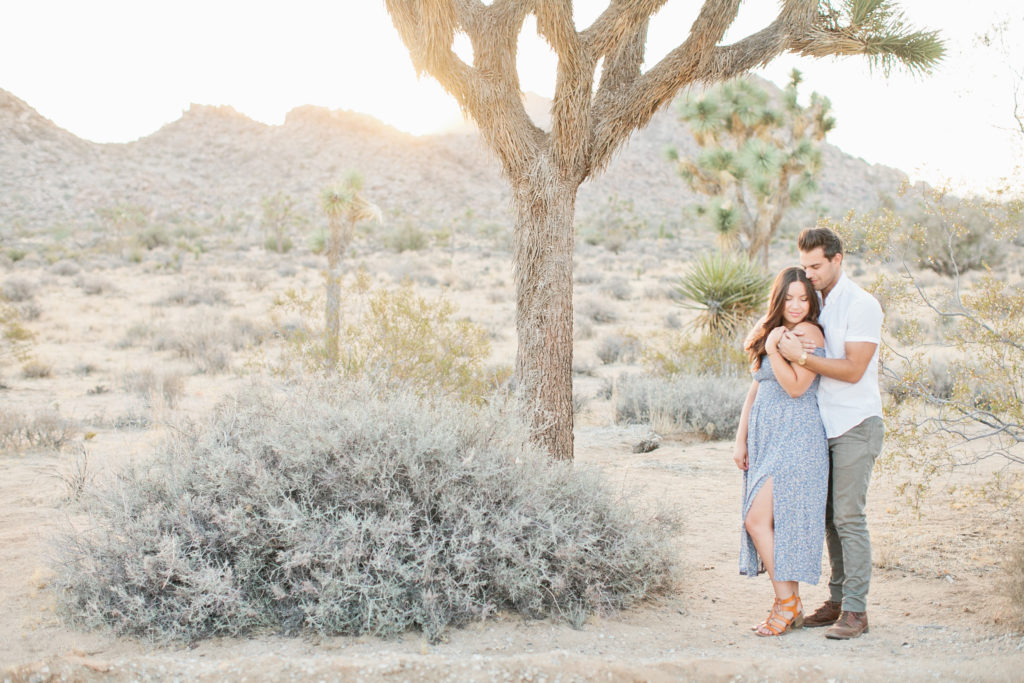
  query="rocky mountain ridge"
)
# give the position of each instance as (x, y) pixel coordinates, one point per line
(215, 162)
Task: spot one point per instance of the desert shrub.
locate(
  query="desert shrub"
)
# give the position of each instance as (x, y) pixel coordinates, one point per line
(613, 225)
(596, 311)
(698, 404)
(208, 339)
(94, 285)
(402, 335)
(29, 310)
(46, 428)
(952, 236)
(15, 338)
(681, 354)
(406, 237)
(282, 245)
(195, 294)
(1015, 578)
(589, 277)
(153, 236)
(17, 289)
(146, 382)
(340, 508)
(618, 348)
(279, 219)
(582, 328)
(617, 288)
(36, 369)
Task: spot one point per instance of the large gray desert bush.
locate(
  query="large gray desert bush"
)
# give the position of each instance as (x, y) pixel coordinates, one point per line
(703, 405)
(339, 508)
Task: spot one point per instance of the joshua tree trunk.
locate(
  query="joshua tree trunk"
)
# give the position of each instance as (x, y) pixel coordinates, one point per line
(332, 312)
(545, 168)
(543, 251)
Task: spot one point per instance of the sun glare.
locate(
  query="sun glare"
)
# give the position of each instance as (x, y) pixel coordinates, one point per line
(421, 110)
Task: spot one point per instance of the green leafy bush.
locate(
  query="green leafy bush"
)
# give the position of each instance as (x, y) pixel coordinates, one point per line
(339, 508)
(401, 335)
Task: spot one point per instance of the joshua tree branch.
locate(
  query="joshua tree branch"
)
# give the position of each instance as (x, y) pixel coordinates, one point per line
(617, 117)
(489, 91)
(570, 115)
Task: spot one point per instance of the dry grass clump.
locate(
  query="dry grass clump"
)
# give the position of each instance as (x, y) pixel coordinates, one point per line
(36, 369)
(596, 310)
(696, 404)
(94, 285)
(1015, 582)
(65, 268)
(341, 509)
(618, 348)
(208, 340)
(146, 382)
(618, 288)
(18, 289)
(195, 294)
(47, 429)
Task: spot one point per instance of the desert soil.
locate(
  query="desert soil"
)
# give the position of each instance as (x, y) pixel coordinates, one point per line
(936, 606)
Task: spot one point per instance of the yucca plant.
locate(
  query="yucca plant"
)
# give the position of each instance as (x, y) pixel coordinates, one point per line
(728, 290)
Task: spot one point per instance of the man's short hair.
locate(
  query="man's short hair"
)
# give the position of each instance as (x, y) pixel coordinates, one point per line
(812, 238)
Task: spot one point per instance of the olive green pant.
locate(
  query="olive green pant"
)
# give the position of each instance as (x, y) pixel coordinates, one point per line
(851, 458)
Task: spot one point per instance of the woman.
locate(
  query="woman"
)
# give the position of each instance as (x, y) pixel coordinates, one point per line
(782, 450)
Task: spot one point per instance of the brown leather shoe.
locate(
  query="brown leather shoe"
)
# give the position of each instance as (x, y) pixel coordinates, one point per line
(825, 615)
(849, 625)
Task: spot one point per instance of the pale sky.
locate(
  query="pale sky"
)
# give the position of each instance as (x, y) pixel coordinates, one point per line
(117, 70)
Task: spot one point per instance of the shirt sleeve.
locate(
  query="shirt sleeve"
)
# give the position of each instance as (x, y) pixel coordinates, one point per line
(865, 320)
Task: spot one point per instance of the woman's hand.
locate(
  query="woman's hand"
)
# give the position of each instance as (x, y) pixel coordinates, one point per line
(739, 456)
(771, 342)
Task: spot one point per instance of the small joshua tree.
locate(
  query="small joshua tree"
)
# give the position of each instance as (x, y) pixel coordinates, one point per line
(759, 156)
(279, 218)
(345, 206)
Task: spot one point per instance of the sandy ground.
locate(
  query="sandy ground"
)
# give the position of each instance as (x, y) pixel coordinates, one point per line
(936, 609)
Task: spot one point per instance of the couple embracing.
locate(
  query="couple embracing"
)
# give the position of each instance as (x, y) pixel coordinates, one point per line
(809, 433)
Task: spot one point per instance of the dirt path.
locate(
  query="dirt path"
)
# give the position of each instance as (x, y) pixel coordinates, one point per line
(922, 626)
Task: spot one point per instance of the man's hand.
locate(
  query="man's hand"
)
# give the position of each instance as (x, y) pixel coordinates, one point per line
(794, 343)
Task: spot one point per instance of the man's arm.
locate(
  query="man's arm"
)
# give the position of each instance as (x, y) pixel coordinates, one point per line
(848, 369)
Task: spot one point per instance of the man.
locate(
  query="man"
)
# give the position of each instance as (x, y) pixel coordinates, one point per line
(851, 410)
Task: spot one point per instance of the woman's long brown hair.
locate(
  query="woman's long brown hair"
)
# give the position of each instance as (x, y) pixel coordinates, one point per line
(774, 317)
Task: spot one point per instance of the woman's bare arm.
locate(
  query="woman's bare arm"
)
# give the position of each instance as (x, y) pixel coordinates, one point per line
(792, 376)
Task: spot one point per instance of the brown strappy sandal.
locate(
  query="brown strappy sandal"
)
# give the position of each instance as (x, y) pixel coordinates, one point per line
(775, 606)
(786, 615)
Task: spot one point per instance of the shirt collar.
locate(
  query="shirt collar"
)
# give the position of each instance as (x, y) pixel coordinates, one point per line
(841, 284)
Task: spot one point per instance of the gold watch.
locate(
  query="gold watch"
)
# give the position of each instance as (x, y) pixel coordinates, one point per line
(803, 358)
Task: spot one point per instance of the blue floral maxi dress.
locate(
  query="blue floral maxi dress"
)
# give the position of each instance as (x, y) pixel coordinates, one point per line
(786, 442)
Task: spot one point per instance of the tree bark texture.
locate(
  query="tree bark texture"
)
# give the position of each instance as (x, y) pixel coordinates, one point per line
(543, 251)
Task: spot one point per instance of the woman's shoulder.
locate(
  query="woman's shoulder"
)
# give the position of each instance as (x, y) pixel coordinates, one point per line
(810, 329)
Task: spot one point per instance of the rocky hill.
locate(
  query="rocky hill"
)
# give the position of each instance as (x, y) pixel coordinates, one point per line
(215, 162)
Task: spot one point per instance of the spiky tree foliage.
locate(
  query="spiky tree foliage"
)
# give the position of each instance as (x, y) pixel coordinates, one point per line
(593, 116)
(345, 206)
(728, 290)
(760, 156)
